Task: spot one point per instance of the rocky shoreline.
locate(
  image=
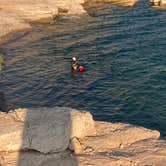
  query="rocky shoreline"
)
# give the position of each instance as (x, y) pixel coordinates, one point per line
(67, 137)
(18, 15)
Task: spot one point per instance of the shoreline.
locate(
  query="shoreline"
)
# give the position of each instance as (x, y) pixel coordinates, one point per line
(18, 17)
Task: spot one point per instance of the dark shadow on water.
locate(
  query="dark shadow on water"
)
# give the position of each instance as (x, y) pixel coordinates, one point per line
(3, 103)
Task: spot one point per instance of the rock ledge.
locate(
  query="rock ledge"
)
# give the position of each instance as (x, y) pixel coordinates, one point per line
(67, 137)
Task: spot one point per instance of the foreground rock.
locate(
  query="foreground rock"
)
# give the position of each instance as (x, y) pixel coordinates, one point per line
(43, 130)
(17, 14)
(40, 137)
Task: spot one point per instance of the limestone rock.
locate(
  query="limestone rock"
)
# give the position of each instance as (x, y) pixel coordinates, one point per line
(163, 3)
(118, 135)
(16, 14)
(82, 124)
(115, 143)
(45, 130)
(158, 3)
(76, 146)
(125, 3)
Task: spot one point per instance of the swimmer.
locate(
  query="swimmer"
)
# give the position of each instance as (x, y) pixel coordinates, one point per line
(74, 65)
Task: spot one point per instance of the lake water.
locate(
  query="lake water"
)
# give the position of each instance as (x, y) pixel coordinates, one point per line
(123, 51)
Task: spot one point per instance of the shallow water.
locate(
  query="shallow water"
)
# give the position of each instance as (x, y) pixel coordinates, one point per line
(123, 51)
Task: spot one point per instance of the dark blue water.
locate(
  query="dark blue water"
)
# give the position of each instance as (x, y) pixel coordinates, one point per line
(123, 51)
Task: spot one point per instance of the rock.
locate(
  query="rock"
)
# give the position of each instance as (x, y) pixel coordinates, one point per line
(76, 146)
(32, 158)
(115, 143)
(155, 2)
(158, 3)
(163, 3)
(126, 3)
(16, 15)
(110, 135)
(82, 124)
(45, 130)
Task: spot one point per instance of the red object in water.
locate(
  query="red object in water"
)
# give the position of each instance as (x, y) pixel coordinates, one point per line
(81, 69)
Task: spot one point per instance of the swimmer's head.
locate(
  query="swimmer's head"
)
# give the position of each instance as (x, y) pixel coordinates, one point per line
(74, 58)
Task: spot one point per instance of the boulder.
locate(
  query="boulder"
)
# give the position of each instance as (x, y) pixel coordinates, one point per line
(45, 130)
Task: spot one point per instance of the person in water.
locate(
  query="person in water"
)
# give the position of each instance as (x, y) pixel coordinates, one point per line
(74, 65)
(1, 62)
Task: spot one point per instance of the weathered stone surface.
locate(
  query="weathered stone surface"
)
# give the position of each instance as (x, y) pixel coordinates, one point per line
(158, 3)
(125, 3)
(163, 3)
(82, 124)
(44, 130)
(16, 14)
(32, 158)
(76, 146)
(115, 143)
(118, 135)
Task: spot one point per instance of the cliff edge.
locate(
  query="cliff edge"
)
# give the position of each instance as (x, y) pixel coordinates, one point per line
(68, 137)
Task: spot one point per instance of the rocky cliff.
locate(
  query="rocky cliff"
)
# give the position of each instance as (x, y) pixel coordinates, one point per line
(17, 14)
(67, 137)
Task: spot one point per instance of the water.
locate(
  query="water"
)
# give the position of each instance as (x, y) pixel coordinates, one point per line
(123, 51)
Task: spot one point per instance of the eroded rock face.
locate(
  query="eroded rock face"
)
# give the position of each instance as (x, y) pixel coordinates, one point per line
(44, 130)
(118, 135)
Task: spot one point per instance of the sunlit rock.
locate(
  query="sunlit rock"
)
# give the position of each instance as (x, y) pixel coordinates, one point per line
(158, 3)
(44, 130)
(82, 124)
(30, 137)
(118, 135)
(17, 14)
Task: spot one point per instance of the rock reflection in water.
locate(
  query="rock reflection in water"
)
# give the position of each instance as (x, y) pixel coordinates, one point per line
(3, 103)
